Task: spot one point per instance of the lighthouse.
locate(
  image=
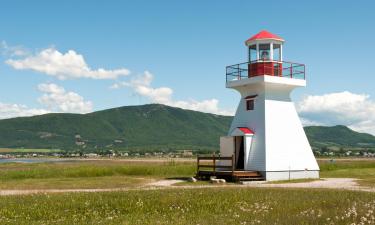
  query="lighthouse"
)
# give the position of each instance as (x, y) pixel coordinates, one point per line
(266, 134)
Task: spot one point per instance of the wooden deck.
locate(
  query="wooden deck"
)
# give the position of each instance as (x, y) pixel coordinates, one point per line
(223, 167)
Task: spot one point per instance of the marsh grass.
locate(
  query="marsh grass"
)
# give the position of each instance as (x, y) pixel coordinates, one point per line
(229, 205)
(192, 206)
(88, 174)
(80, 174)
(75, 183)
(94, 169)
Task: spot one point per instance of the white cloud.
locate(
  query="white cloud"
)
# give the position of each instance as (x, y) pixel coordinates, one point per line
(7, 50)
(63, 66)
(344, 108)
(163, 95)
(15, 110)
(56, 99)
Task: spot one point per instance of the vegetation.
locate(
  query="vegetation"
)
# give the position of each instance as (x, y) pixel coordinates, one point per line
(132, 173)
(338, 136)
(192, 206)
(148, 128)
(226, 205)
(89, 174)
(361, 169)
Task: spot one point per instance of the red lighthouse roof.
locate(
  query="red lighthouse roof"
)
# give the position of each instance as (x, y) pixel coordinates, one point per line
(264, 35)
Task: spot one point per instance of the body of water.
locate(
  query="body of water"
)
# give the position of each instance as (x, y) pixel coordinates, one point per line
(38, 160)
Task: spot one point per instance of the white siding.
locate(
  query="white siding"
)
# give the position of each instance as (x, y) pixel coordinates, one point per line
(279, 142)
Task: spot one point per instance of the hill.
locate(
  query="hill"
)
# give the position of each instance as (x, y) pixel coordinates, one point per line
(147, 127)
(151, 126)
(340, 136)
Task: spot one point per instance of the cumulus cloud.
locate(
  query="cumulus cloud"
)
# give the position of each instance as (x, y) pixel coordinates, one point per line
(141, 85)
(57, 99)
(356, 111)
(15, 110)
(69, 65)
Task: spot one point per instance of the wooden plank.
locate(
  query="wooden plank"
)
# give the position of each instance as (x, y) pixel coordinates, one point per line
(217, 166)
(217, 158)
(236, 174)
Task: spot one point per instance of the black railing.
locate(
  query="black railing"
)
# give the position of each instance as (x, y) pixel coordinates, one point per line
(265, 67)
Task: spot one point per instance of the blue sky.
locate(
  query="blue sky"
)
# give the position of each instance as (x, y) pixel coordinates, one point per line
(184, 46)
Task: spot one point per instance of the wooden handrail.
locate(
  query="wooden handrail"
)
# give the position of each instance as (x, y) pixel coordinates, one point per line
(214, 158)
(217, 157)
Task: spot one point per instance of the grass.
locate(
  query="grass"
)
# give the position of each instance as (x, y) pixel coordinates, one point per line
(88, 174)
(117, 173)
(191, 206)
(361, 169)
(75, 183)
(227, 205)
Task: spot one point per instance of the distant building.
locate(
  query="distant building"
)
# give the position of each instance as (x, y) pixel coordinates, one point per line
(91, 155)
(187, 153)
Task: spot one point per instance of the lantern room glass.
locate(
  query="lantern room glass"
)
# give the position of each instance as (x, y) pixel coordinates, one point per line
(252, 53)
(264, 52)
(276, 52)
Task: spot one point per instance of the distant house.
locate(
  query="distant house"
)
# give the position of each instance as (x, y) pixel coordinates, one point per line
(91, 155)
(187, 153)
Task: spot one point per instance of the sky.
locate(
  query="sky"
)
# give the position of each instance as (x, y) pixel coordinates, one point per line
(84, 56)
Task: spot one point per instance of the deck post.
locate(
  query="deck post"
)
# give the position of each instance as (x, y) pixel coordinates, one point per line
(197, 165)
(232, 164)
(214, 161)
(291, 70)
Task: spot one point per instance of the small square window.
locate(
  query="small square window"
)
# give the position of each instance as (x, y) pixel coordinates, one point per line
(249, 104)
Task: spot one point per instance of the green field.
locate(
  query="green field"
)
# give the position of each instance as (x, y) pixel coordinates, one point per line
(228, 204)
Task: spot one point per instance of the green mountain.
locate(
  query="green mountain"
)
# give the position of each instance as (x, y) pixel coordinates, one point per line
(340, 136)
(146, 128)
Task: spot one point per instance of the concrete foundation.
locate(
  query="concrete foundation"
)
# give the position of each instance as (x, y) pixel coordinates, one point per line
(290, 175)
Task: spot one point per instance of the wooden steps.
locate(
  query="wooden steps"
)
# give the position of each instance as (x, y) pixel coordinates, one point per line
(210, 168)
(236, 176)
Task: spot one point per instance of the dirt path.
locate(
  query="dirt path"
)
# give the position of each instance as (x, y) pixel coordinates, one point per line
(331, 183)
(327, 183)
(148, 186)
(165, 183)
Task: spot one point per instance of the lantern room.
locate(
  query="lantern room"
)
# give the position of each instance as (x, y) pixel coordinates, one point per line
(264, 58)
(265, 46)
(265, 54)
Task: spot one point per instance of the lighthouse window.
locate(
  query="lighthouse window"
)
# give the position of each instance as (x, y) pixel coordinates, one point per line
(276, 52)
(249, 104)
(252, 53)
(264, 51)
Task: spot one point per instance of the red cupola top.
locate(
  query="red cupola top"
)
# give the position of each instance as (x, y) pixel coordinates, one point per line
(263, 35)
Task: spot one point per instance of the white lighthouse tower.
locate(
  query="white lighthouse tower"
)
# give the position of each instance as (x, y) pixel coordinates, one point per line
(266, 134)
